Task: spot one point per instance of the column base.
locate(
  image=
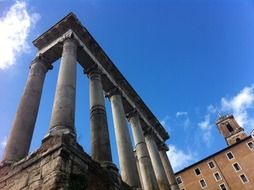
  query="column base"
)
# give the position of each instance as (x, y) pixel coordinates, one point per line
(57, 131)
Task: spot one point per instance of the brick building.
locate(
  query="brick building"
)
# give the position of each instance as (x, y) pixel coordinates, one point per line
(231, 168)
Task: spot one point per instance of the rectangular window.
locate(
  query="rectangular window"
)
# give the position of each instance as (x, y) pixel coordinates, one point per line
(202, 183)
(230, 155)
(217, 176)
(179, 180)
(236, 167)
(211, 164)
(250, 145)
(223, 186)
(197, 171)
(244, 178)
(230, 128)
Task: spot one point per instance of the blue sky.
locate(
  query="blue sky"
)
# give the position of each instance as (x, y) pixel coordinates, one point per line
(185, 58)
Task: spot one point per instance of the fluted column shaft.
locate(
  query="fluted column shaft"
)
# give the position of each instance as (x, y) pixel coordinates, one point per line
(23, 126)
(156, 162)
(63, 114)
(146, 169)
(127, 163)
(168, 168)
(100, 142)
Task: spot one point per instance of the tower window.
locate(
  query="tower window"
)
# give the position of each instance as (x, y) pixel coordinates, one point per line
(202, 183)
(197, 171)
(223, 186)
(211, 164)
(217, 176)
(229, 127)
(250, 145)
(244, 178)
(236, 167)
(230, 155)
(179, 180)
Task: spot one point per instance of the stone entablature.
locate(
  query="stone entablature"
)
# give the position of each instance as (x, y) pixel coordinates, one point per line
(71, 42)
(49, 44)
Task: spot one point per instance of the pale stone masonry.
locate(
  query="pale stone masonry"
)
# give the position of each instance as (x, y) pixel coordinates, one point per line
(63, 114)
(100, 142)
(147, 174)
(156, 161)
(60, 162)
(22, 130)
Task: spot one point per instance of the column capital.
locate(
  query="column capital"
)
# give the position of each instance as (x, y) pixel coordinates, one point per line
(69, 36)
(113, 91)
(131, 114)
(43, 61)
(163, 147)
(149, 131)
(93, 70)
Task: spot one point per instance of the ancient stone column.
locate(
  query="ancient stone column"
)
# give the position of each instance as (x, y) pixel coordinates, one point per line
(167, 167)
(100, 143)
(146, 169)
(23, 126)
(156, 161)
(127, 163)
(63, 114)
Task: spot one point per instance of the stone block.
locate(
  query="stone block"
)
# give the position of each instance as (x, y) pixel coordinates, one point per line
(52, 165)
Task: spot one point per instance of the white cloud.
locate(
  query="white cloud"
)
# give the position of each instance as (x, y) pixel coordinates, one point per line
(15, 26)
(239, 105)
(181, 113)
(206, 128)
(178, 158)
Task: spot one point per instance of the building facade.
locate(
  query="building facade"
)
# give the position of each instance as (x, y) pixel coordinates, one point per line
(232, 168)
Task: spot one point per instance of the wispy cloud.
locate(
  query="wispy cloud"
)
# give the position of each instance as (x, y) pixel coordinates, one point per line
(183, 119)
(178, 158)
(164, 121)
(15, 26)
(3, 142)
(206, 128)
(181, 113)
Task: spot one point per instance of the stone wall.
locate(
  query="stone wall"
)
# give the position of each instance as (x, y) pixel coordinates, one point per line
(60, 163)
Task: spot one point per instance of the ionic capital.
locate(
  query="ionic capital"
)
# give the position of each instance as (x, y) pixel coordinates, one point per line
(131, 114)
(163, 147)
(113, 91)
(149, 132)
(93, 72)
(41, 60)
(69, 36)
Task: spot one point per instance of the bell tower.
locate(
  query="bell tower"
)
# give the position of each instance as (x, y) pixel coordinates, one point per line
(230, 129)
